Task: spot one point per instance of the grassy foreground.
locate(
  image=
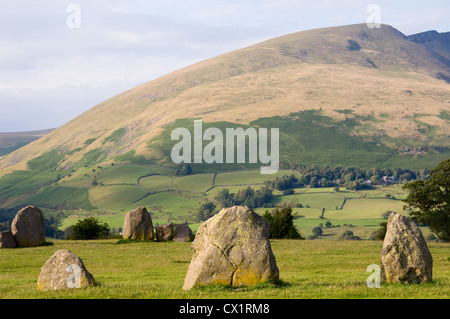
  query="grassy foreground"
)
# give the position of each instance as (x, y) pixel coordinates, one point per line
(308, 269)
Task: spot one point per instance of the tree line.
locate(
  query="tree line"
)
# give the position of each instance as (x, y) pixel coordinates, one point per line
(349, 177)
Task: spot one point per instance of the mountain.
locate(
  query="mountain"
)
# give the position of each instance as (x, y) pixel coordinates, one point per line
(11, 141)
(436, 42)
(341, 96)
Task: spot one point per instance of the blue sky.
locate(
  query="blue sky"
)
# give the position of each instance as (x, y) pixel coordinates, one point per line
(50, 72)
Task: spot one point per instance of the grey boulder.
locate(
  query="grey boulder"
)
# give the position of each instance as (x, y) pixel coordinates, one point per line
(64, 270)
(232, 248)
(28, 227)
(405, 257)
(183, 233)
(164, 232)
(138, 225)
(7, 239)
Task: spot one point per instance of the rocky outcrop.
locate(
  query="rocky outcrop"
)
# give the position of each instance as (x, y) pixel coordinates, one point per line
(138, 225)
(28, 227)
(64, 270)
(232, 248)
(405, 257)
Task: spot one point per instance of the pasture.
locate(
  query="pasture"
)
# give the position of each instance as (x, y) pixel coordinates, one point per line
(174, 198)
(308, 269)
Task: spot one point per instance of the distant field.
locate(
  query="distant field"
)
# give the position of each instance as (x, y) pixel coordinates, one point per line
(157, 183)
(308, 269)
(194, 183)
(365, 208)
(122, 174)
(316, 200)
(248, 177)
(115, 197)
(171, 198)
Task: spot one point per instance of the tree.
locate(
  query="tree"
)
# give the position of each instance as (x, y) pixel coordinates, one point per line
(184, 169)
(282, 223)
(348, 235)
(317, 231)
(206, 211)
(248, 197)
(380, 233)
(431, 199)
(225, 198)
(375, 179)
(52, 226)
(89, 228)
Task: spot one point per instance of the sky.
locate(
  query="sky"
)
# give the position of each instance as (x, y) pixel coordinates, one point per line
(59, 58)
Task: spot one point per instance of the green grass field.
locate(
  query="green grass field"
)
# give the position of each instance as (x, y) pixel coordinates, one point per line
(308, 269)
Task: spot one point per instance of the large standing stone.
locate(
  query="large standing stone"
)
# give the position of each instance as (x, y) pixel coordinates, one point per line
(164, 232)
(138, 225)
(28, 227)
(232, 248)
(183, 233)
(405, 257)
(64, 270)
(7, 239)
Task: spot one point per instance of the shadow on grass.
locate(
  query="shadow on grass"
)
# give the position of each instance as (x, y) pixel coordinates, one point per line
(131, 241)
(45, 243)
(280, 284)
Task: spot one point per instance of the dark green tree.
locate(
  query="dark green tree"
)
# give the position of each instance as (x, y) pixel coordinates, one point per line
(282, 223)
(225, 198)
(430, 200)
(51, 227)
(89, 228)
(206, 211)
(380, 233)
(348, 235)
(184, 169)
(317, 231)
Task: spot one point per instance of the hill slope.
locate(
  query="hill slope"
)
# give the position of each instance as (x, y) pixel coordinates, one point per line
(388, 77)
(349, 96)
(437, 42)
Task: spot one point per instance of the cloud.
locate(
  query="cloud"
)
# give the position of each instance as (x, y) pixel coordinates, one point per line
(51, 73)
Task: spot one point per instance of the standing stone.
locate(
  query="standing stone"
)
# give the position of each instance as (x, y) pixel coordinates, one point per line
(183, 233)
(164, 232)
(138, 225)
(405, 257)
(28, 227)
(62, 271)
(7, 239)
(232, 248)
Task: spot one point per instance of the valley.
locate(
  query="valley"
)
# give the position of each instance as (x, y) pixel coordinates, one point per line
(347, 96)
(172, 198)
